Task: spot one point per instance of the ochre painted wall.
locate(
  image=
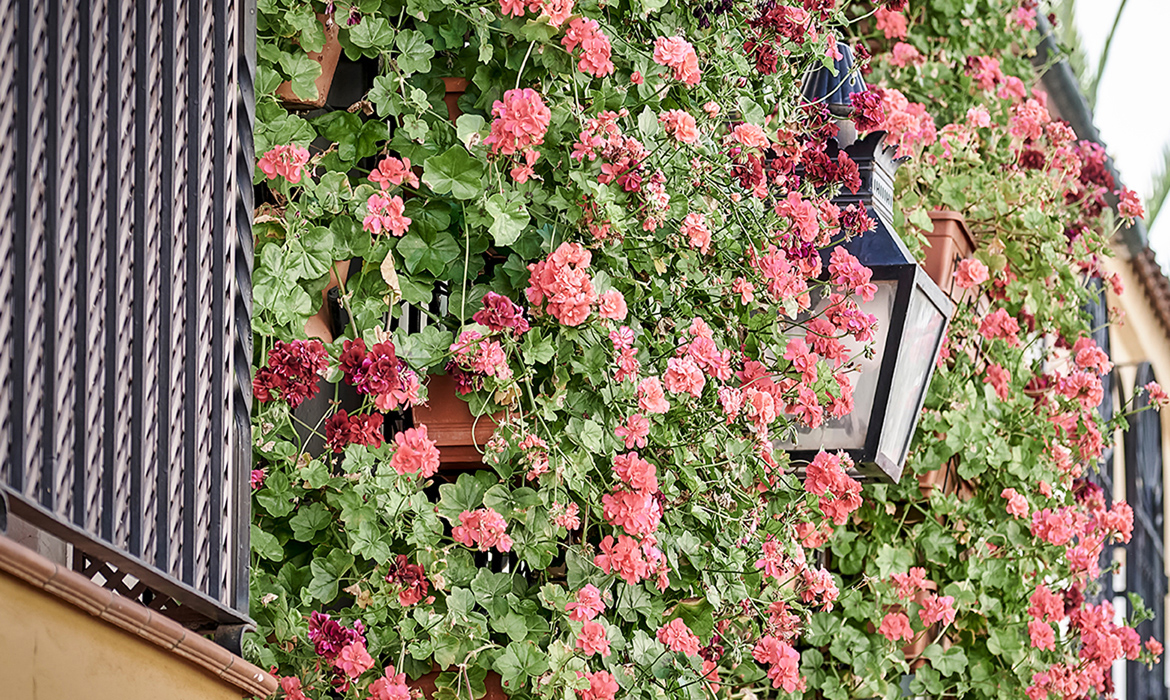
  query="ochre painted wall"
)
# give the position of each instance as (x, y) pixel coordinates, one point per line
(52, 650)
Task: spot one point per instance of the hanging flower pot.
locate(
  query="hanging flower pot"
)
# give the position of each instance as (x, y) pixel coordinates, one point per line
(455, 89)
(948, 243)
(459, 435)
(327, 57)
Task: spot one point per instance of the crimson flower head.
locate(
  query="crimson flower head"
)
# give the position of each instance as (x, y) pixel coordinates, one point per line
(868, 113)
(292, 372)
(499, 312)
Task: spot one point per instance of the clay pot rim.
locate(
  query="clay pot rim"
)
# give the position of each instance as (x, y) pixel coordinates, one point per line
(957, 218)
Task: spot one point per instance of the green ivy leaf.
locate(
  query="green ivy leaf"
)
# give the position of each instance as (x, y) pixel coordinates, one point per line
(369, 542)
(465, 494)
(537, 349)
(327, 574)
(302, 73)
(520, 661)
(276, 497)
(947, 663)
(373, 33)
(266, 545)
(509, 218)
(311, 33)
(512, 624)
(454, 172)
(310, 520)
(893, 560)
(414, 52)
(310, 253)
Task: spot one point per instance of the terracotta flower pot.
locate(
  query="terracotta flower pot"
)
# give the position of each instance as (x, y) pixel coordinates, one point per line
(455, 89)
(495, 690)
(944, 478)
(948, 243)
(327, 57)
(459, 436)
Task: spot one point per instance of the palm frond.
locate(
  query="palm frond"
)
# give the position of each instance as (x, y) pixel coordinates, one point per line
(1072, 42)
(1160, 188)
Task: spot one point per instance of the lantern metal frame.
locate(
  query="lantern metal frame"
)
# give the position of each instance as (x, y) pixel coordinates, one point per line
(882, 250)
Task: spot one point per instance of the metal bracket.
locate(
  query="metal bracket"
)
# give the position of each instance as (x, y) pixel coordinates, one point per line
(231, 637)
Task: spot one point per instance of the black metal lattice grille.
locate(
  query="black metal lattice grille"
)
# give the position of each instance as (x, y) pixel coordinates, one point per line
(1145, 566)
(125, 264)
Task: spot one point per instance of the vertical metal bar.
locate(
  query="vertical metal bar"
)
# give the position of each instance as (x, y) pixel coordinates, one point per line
(20, 243)
(113, 120)
(81, 464)
(190, 404)
(138, 349)
(242, 354)
(219, 285)
(166, 229)
(48, 406)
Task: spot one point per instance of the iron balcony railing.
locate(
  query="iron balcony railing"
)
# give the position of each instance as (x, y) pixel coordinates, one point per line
(125, 264)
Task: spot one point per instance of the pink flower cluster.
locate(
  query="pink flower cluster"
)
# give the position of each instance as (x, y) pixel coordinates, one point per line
(415, 453)
(602, 686)
(501, 313)
(677, 54)
(840, 494)
(680, 124)
(385, 214)
(633, 561)
(521, 120)
(483, 528)
(783, 663)
(391, 686)
(557, 11)
(284, 161)
(392, 172)
(595, 48)
(679, 638)
(342, 429)
(292, 372)
(378, 372)
(563, 281)
(588, 604)
(633, 505)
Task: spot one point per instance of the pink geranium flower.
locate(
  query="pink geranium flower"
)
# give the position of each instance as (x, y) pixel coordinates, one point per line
(970, 273)
(416, 454)
(592, 639)
(896, 626)
(651, 398)
(588, 604)
(679, 638)
(602, 686)
(483, 528)
(613, 306)
(677, 54)
(284, 161)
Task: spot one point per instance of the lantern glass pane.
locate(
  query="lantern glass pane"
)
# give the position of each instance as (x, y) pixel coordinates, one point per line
(916, 356)
(850, 431)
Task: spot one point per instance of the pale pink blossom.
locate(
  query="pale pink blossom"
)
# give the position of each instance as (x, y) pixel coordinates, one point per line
(651, 398)
(613, 305)
(679, 638)
(677, 54)
(415, 453)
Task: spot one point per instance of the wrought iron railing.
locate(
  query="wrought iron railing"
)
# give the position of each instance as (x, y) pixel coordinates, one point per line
(125, 265)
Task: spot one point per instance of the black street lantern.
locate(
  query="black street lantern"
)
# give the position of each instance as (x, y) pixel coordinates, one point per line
(912, 315)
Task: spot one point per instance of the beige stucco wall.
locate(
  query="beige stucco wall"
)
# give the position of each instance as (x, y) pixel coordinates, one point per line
(52, 650)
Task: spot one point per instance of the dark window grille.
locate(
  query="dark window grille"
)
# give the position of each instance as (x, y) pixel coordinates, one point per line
(125, 265)
(1145, 566)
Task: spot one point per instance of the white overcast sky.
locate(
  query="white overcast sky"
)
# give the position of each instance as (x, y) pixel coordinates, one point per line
(1133, 99)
